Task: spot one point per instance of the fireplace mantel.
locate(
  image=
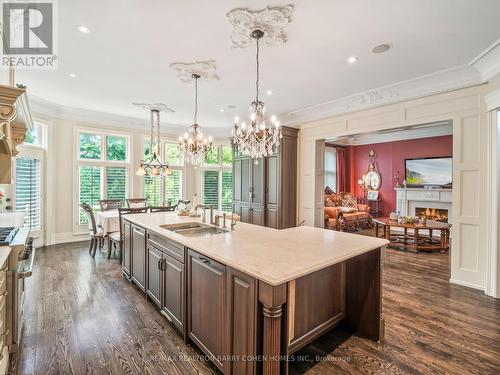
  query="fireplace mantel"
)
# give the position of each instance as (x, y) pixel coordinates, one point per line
(407, 199)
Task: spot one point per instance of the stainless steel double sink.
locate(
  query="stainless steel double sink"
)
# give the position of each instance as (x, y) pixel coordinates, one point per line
(193, 229)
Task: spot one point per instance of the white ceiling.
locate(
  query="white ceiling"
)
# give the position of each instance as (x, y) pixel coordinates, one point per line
(126, 56)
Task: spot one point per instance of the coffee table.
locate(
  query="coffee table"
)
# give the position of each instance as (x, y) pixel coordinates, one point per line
(416, 241)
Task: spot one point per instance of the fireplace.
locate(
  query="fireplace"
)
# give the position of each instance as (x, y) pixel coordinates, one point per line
(438, 214)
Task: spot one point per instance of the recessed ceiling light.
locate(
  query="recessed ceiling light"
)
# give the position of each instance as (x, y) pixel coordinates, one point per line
(83, 29)
(231, 106)
(72, 75)
(269, 92)
(352, 59)
(221, 110)
(381, 48)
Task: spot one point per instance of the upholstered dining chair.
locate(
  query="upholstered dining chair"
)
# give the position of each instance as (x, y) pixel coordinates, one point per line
(96, 234)
(110, 204)
(162, 208)
(117, 237)
(136, 202)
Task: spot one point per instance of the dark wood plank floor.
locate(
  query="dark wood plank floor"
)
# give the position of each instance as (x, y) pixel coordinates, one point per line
(82, 317)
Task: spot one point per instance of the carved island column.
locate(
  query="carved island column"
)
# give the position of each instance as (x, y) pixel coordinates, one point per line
(272, 298)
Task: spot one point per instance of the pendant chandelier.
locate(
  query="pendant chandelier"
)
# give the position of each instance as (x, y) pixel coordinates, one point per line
(153, 164)
(259, 138)
(193, 145)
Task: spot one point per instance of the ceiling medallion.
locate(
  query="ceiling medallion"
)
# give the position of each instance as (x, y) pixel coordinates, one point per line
(154, 164)
(258, 139)
(271, 20)
(193, 145)
(205, 69)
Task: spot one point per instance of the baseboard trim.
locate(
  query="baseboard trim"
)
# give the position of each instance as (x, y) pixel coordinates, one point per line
(469, 285)
(66, 237)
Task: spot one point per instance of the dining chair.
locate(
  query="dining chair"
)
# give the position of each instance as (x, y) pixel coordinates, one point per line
(110, 204)
(185, 203)
(96, 233)
(162, 208)
(117, 237)
(136, 202)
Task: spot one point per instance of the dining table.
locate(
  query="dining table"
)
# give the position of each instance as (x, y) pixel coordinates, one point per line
(109, 221)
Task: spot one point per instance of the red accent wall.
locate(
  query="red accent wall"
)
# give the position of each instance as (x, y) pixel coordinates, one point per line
(390, 159)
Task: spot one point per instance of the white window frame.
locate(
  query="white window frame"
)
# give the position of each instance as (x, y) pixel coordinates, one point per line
(100, 163)
(174, 167)
(219, 167)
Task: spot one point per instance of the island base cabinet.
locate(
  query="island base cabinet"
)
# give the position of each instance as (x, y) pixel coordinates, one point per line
(155, 277)
(138, 271)
(206, 306)
(173, 291)
(126, 249)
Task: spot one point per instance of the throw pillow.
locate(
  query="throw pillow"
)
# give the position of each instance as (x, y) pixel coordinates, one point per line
(348, 209)
(350, 202)
(329, 203)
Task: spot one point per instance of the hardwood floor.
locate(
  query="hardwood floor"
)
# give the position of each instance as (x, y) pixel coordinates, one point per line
(82, 317)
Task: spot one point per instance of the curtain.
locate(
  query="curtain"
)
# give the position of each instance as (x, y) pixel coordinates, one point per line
(341, 170)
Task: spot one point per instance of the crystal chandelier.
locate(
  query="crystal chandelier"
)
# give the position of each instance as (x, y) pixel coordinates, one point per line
(153, 164)
(193, 145)
(257, 139)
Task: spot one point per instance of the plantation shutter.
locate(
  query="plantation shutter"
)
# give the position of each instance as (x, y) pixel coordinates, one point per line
(173, 187)
(28, 190)
(116, 182)
(90, 189)
(152, 190)
(211, 188)
(227, 190)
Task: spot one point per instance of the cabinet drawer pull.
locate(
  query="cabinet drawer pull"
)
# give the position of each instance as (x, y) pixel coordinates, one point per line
(163, 264)
(204, 260)
(159, 264)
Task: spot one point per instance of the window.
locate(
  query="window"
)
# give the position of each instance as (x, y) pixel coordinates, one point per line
(166, 190)
(217, 178)
(28, 190)
(36, 136)
(103, 169)
(331, 168)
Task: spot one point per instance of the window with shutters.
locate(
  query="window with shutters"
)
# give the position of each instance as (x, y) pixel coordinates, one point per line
(166, 190)
(28, 190)
(217, 178)
(103, 169)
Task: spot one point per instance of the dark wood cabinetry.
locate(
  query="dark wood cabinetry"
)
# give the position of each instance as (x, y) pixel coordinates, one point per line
(206, 303)
(155, 277)
(265, 193)
(126, 249)
(138, 243)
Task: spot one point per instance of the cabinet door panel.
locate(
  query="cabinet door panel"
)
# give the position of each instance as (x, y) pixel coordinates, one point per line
(126, 248)
(173, 304)
(237, 180)
(258, 217)
(139, 256)
(206, 303)
(245, 179)
(272, 180)
(154, 275)
(245, 216)
(258, 182)
(272, 217)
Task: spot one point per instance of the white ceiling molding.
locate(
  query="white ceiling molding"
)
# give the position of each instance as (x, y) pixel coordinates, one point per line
(205, 69)
(271, 20)
(439, 82)
(432, 130)
(492, 100)
(46, 108)
(488, 62)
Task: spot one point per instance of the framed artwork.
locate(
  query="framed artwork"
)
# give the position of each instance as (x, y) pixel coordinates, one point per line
(372, 195)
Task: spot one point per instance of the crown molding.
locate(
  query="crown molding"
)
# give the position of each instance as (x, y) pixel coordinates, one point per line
(488, 62)
(435, 83)
(43, 107)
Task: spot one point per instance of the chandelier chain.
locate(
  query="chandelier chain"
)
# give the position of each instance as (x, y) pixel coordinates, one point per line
(258, 73)
(195, 100)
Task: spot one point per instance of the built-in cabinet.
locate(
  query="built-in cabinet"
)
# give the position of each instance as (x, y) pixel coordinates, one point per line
(138, 271)
(265, 192)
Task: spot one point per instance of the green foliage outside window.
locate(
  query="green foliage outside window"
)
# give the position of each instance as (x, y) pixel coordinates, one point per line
(116, 148)
(212, 156)
(227, 154)
(210, 188)
(172, 154)
(90, 146)
(227, 191)
(90, 189)
(33, 136)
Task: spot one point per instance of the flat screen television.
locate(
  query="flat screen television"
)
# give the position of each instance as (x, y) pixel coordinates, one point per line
(429, 172)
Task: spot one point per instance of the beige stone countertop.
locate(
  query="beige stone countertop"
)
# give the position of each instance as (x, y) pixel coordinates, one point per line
(4, 254)
(270, 255)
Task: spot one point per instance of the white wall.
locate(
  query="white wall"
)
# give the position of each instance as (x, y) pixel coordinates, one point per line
(466, 109)
(60, 165)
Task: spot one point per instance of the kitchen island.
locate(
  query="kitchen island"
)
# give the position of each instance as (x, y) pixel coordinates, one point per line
(252, 296)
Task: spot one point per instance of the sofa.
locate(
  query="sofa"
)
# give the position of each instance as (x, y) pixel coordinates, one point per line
(343, 213)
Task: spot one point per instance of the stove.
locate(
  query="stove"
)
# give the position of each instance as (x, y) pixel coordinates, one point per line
(7, 234)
